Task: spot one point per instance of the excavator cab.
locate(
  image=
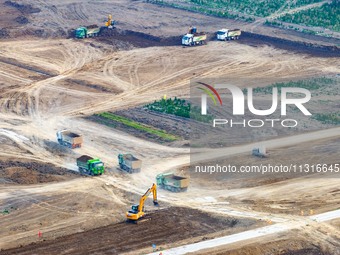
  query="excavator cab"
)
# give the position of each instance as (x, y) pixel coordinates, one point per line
(134, 209)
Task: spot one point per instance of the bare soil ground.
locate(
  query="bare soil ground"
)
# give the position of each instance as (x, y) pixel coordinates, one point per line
(166, 227)
(33, 172)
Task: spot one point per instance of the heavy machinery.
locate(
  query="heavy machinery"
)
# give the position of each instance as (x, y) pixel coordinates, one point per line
(110, 23)
(129, 163)
(260, 152)
(228, 34)
(90, 166)
(137, 214)
(85, 32)
(69, 139)
(193, 38)
(172, 182)
(94, 30)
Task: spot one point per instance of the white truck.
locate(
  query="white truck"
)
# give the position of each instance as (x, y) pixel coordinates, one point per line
(228, 34)
(193, 38)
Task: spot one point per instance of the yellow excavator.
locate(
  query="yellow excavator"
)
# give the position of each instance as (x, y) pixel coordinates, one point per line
(137, 211)
(110, 23)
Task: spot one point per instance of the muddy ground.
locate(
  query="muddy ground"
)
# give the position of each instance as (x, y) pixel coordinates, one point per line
(166, 227)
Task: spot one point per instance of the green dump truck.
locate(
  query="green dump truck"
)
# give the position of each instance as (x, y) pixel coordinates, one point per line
(90, 166)
(172, 182)
(129, 163)
(85, 32)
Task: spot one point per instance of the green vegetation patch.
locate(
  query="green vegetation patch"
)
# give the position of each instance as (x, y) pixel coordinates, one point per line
(178, 107)
(235, 8)
(327, 16)
(310, 84)
(139, 126)
(328, 118)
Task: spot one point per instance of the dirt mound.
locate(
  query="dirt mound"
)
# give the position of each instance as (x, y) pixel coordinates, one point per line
(23, 8)
(21, 20)
(136, 39)
(32, 172)
(171, 225)
(295, 46)
(4, 33)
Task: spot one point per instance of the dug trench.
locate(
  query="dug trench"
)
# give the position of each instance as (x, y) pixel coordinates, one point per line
(167, 228)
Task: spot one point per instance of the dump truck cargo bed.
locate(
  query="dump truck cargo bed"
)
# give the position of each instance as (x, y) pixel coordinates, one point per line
(69, 139)
(129, 163)
(172, 182)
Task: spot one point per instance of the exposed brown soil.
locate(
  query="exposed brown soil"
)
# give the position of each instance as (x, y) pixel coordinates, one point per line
(166, 226)
(32, 172)
(23, 8)
(294, 46)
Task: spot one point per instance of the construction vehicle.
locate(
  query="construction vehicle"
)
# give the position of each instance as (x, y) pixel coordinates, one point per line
(85, 32)
(193, 38)
(94, 30)
(228, 34)
(172, 182)
(260, 152)
(137, 213)
(90, 166)
(110, 23)
(69, 139)
(129, 163)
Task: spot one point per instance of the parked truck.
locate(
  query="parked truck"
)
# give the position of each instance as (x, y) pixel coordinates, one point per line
(85, 32)
(193, 38)
(94, 30)
(90, 166)
(129, 163)
(172, 182)
(228, 34)
(69, 139)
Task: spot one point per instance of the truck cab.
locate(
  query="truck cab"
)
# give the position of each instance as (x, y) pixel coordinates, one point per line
(222, 34)
(96, 166)
(187, 39)
(81, 32)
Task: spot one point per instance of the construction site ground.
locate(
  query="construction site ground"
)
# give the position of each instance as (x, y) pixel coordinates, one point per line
(49, 81)
(162, 227)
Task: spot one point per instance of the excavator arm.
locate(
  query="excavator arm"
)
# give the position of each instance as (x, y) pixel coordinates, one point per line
(153, 189)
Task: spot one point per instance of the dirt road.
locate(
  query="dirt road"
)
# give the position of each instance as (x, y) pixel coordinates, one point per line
(244, 236)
